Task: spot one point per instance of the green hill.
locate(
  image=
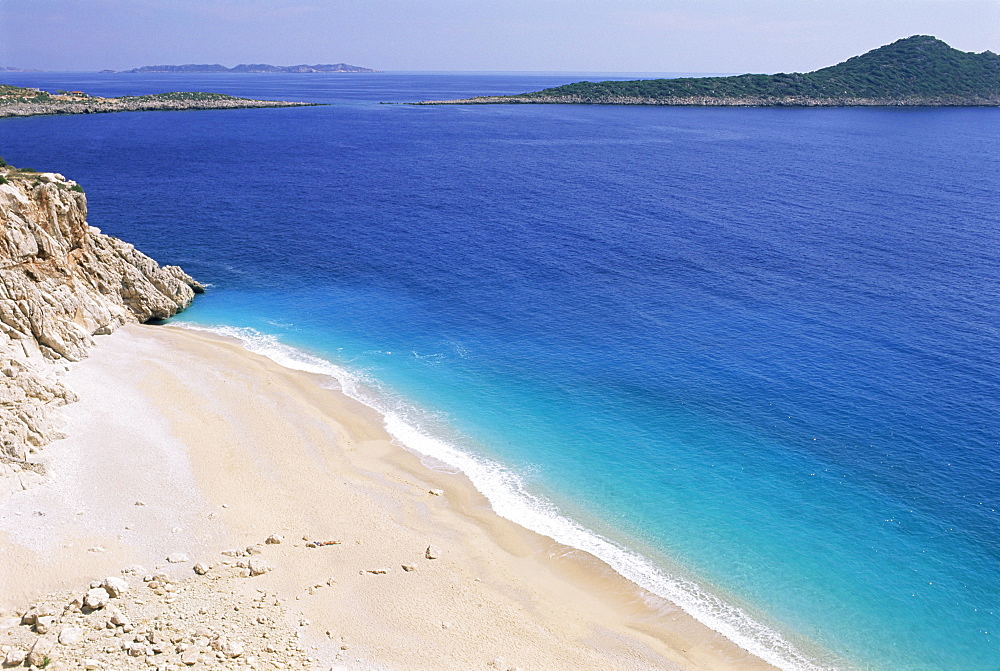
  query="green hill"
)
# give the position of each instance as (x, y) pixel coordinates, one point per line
(918, 70)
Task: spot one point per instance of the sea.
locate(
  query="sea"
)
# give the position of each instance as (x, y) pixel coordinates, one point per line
(748, 357)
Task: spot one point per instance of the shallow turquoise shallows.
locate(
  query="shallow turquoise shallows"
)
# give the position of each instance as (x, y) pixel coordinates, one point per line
(747, 356)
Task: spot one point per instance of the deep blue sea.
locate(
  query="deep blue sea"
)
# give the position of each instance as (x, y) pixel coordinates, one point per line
(748, 356)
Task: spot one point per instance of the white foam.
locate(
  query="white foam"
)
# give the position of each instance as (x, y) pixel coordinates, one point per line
(510, 499)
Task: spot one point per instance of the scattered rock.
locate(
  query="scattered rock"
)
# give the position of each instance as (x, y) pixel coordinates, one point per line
(258, 566)
(432, 552)
(436, 492)
(70, 635)
(378, 571)
(177, 558)
(96, 598)
(233, 649)
(43, 623)
(96, 548)
(119, 620)
(115, 586)
(254, 549)
(409, 567)
(200, 568)
(15, 657)
(191, 655)
(274, 539)
(40, 651)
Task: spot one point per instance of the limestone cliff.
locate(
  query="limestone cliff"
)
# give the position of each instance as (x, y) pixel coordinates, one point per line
(61, 283)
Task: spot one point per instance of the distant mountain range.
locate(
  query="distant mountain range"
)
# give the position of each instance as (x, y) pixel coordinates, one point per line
(918, 70)
(253, 68)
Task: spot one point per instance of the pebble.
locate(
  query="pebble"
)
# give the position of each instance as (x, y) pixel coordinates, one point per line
(274, 539)
(432, 552)
(177, 558)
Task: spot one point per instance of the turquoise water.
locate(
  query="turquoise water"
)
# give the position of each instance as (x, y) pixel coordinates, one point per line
(749, 357)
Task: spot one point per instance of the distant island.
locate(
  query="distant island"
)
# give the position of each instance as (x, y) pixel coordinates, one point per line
(915, 71)
(22, 101)
(252, 68)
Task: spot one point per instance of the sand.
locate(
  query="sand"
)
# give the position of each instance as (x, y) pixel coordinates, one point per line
(186, 442)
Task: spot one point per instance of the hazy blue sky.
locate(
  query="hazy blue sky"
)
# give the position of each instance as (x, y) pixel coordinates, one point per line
(603, 35)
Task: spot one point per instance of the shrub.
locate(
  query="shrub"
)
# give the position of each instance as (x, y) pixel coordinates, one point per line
(76, 187)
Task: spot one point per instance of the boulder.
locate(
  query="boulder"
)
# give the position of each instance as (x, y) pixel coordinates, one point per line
(70, 635)
(115, 586)
(41, 651)
(96, 598)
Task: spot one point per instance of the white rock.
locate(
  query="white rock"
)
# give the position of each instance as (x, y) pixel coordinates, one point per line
(41, 650)
(436, 492)
(232, 649)
(432, 552)
(119, 619)
(254, 549)
(70, 635)
(200, 568)
(96, 598)
(258, 566)
(190, 656)
(91, 664)
(177, 558)
(15, 657)
(115, 586)
(43, 623)
(274, 539)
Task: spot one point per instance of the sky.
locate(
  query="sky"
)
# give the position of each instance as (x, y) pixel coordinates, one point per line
(710, 36)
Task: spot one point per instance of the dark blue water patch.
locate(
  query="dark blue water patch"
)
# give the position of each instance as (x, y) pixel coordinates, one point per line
(762, 341)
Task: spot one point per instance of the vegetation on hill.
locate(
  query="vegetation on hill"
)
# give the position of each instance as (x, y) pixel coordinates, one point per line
(915, 70)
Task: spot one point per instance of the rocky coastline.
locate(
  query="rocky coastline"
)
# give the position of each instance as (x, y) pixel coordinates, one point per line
(735, 101)
(62, 282)
(93, 105)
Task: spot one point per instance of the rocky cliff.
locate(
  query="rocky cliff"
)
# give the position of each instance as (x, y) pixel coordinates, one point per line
(61, 283)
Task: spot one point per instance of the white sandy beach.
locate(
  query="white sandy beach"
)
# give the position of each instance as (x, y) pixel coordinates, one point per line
(186, 442)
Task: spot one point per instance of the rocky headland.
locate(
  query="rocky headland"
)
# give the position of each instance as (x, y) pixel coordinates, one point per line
(62, 282)
(16, 101)
(915, 71)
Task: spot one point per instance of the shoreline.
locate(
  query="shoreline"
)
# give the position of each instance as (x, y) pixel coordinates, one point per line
(506, 497)
(232, 438)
